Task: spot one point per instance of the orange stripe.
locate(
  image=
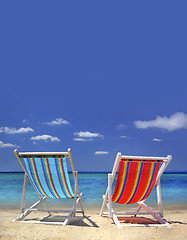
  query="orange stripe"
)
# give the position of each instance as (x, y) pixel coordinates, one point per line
(153, 181)
(136, 181)
(129, 183)
(142, 184)
(149, 178)
(119, 184)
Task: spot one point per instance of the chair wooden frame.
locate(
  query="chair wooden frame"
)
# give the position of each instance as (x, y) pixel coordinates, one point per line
(26, 211)
(107, 198)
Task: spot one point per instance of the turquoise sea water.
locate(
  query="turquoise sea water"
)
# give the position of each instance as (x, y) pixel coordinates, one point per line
(93, 186)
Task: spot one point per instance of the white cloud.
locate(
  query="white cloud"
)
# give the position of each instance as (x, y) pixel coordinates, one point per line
(101, 152)
(45, 138)
(3, 145)
(58, 121)
(157, 140)
(82, 139)
(124, 137)
(121, 126)
(25, 121)
(87, 134)
(15, 131)
(176, 121)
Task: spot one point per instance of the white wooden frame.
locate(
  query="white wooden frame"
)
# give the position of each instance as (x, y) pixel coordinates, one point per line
(77, 195)
(107, 198)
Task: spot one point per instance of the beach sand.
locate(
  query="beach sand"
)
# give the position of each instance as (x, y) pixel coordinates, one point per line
(92, 226)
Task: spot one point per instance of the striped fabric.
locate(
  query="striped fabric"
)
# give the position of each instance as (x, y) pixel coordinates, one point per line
(136, 179)
(49, 175)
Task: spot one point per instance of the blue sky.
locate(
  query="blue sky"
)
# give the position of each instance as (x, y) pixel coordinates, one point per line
(100, 77)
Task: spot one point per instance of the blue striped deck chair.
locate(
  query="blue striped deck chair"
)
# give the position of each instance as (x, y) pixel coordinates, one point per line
(48, 174)
(136, 178)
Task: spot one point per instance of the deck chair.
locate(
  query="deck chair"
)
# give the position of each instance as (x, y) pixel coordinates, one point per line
(48, 174)
(136, 179)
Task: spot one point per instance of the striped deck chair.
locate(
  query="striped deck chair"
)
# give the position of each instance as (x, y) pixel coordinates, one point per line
(136, 179)
(48, 174)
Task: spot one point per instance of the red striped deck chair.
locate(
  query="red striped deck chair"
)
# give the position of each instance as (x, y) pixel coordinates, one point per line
(48, 174)
(136, 179)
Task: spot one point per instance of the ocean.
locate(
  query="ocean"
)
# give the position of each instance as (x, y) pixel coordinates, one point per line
(93, 186)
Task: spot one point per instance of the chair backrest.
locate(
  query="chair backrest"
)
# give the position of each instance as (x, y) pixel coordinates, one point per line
(137, 177)
(48, 173)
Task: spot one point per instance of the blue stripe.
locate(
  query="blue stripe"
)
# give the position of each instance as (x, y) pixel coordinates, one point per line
(154, 169)
(59, 178)
(43, 167)
(140, 175)
(124, 186)
(31, 176)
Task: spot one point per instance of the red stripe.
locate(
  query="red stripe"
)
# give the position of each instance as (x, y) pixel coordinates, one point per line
(38, 177)
(51, 178)
(119, 180)
(62, 165)
(129, 184)
(140, 160)
(153, 181)
(143, 181)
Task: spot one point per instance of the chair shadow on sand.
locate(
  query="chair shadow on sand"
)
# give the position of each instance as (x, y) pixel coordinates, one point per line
(144, 221)
(137, 220)
(83, 221)
(170, 222)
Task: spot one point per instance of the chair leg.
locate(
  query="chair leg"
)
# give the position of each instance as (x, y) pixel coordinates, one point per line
(80, 201)
(46, 207)
(104, 202)
(75, 195)
(156, 216)
(110, 195)
(114, 216)
(71, 212)
(27, 211)
(137, 209)
(23, 200)
(159, 198)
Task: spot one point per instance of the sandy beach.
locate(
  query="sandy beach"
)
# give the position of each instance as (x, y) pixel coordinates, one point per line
(92, 226)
